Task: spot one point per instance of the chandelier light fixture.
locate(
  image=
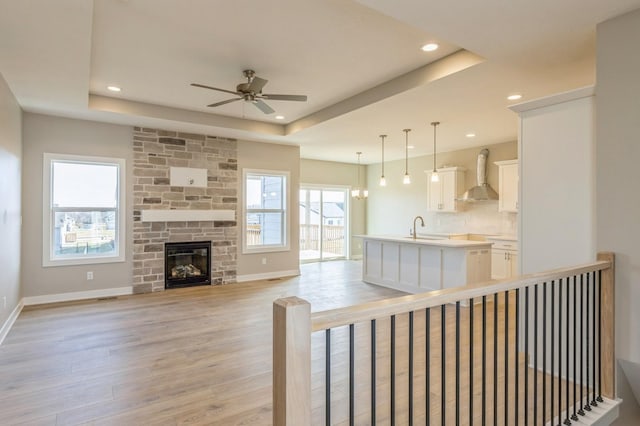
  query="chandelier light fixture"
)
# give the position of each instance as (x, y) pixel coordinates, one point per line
(358, 192)
(434, 174)
(407, 178)
(383, 180)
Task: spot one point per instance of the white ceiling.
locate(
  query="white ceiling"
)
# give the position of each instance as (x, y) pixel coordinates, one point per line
(358, 62)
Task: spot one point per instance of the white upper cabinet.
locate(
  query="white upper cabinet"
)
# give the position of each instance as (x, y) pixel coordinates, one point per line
(508, 185)
(442, 195)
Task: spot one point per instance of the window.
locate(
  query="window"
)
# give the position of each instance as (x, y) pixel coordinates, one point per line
(265, 202)
(83, 210)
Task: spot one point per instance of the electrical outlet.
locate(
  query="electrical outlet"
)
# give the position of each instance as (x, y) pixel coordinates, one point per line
(89, 275)
(264, 260)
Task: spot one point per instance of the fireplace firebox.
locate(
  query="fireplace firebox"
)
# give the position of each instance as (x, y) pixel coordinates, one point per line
(187, 264)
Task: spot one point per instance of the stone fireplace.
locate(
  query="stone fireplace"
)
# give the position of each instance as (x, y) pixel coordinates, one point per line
(187, 264)
(166, 213)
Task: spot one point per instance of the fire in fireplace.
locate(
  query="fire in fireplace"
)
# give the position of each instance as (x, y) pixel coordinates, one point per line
(187, 264)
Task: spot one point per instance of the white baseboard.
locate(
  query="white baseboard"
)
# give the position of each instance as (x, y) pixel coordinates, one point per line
(9, 322)
(267, 275)
(77, 295)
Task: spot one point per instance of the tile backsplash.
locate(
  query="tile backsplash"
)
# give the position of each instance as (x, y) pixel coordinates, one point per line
(477, 218)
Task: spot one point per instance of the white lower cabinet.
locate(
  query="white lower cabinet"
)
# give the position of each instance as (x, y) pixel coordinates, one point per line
(415, 268)
(504, 260)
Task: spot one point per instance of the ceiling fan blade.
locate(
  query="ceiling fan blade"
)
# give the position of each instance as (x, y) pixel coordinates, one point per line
(224, 102)
(213, 88)
(257, 84)
(263, 107)
(301, 98)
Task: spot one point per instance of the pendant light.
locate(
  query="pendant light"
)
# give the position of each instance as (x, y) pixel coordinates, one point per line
(359, 193)
(407, 178)
(383, 180)
(434, 174)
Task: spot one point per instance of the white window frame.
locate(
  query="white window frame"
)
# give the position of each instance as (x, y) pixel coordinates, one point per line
(286, 206)
(48, 225)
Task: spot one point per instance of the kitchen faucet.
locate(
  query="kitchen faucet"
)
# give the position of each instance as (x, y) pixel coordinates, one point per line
(414, 225)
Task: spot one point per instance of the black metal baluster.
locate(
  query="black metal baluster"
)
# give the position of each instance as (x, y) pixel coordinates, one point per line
(471, 362)
(560, 281)
(458, 363)
(553, 344)
(593, 337)
(427, 355)
(373, 371)
(506, 357)
(535, 357)
(443, 356)
(516, 362)
(526, 356)
(484, 360)
(410, 368)
(392, 415)
(568, 306)
(352, 370)
(327, 377)
(495, 358)
(587, 406)
(581, 410)
(574, 416)
(544, 352)
(599, 399)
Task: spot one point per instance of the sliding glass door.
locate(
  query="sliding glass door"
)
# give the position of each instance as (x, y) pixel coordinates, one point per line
(323, 223)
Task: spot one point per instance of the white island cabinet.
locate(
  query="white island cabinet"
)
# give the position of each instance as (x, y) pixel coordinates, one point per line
(419, 265)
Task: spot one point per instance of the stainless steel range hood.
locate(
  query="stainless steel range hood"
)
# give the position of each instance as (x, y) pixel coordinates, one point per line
(482, 191)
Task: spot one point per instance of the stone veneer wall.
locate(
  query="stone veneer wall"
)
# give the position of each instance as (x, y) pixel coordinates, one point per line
(155, 151)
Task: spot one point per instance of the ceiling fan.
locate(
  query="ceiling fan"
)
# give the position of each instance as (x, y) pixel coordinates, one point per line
(251, 91)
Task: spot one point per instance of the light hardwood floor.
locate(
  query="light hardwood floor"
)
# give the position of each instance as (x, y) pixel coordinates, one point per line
(200, 355)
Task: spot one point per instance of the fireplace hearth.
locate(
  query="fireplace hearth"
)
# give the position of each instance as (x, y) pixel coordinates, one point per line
(187, 264)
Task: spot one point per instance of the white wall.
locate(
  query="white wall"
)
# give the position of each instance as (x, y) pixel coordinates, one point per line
(10, 201)
(391, 209)
(255, 155)
(341, 174)
(618, 176)
(557, 167)
(42, 134)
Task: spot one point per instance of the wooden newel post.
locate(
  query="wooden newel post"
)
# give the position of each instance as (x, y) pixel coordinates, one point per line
(607, 324)
(291, 362)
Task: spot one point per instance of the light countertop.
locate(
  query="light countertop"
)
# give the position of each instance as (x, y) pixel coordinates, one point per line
(427, 241)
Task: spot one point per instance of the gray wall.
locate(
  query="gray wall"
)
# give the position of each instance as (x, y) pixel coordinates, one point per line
(10, 203)
(255, 155)
(340, 174)
(618, 175)
(42, 134)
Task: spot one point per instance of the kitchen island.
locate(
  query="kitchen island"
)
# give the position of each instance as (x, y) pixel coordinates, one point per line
(424, 264)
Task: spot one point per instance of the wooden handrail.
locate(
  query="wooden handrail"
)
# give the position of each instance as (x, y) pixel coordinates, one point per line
(398, 305)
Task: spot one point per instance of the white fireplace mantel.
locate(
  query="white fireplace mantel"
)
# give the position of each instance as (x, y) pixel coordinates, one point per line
(186, 215)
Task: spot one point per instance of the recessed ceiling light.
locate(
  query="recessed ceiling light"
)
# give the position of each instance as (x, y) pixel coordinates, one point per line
(429, 47)
(113, 88)
(470, 135)
(279, 117)
(410, 147)
(514, 97)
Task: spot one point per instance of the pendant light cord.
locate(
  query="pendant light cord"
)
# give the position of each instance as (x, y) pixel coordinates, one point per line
(434, 124)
